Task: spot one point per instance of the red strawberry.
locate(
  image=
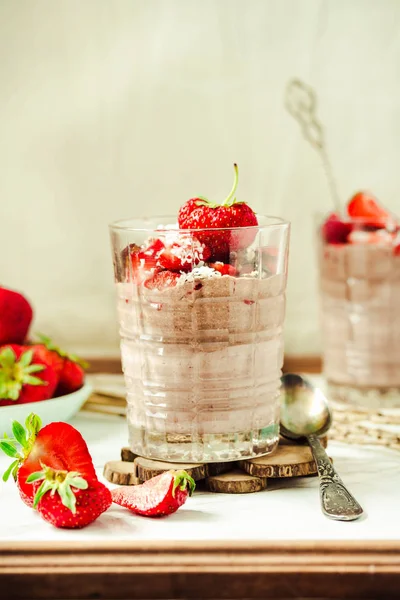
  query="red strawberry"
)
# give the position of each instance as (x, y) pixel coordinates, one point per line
(161, 280)
(67, 500)
(365, 206)
(24, 376)
(335, 231)
(139, 261)
(183, 255)
(223, 268)
(72, 377)
(57, 445)
(157, 497)
(15, 317)
(69, 367)
(199, 213)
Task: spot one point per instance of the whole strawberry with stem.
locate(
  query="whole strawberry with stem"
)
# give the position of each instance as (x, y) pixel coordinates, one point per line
(58, 445)
(15, 317)
(200, 213)
(67, 500)
(157, 497)
(70, 368)
(24, 376)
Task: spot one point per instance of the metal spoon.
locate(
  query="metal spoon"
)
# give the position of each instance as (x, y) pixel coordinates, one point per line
(305, 414)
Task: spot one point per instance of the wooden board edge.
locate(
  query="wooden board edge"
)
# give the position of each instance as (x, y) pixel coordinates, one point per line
(163, 570)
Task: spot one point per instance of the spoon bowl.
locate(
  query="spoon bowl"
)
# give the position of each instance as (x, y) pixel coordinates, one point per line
(304, 409)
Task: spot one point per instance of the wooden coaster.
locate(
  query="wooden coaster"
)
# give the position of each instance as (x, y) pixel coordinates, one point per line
(289, 460)
(235, 482)
(286, 461)
(121, 472)
(146, 468)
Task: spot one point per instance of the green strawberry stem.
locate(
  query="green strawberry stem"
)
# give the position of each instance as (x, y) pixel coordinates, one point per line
(183, 480)
(230, 200)
(21, 444)
(59, 482)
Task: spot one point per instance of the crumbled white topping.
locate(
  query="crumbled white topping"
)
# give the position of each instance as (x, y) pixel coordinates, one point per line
(198, 273)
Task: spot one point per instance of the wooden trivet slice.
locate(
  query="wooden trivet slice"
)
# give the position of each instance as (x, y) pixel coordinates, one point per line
(235, 482)
(127, 454)
(286, 461)
(121, 472)
(146, 468)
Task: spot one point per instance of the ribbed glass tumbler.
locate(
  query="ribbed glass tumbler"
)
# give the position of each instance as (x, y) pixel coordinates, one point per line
(201, 342)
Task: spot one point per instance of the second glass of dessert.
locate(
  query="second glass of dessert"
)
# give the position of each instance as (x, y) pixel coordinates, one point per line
(201, 305)
(359, 260)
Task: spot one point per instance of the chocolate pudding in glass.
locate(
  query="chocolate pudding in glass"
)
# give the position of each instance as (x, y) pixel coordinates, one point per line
(359, 265)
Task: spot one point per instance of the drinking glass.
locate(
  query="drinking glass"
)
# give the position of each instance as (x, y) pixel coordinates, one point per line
(202, 351)
(360, 300)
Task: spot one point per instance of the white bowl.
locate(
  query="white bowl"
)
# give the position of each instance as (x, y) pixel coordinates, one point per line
(62, 408)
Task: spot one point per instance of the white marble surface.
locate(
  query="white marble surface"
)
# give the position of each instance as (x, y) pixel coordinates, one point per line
(288, 510)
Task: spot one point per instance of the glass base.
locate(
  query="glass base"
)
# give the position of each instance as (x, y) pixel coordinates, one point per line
(366, 397)
(203, 448)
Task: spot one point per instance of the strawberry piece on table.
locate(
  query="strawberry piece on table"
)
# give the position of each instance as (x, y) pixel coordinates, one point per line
(15, 317)
(336, 231)
(200, 213)
(160, 496)
(365, 206)
(223, 268)
(57, 445)
(24, 376)
(66, 499)
(162, 280)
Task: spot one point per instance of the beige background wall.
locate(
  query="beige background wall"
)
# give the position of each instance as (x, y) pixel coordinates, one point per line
(114, 108)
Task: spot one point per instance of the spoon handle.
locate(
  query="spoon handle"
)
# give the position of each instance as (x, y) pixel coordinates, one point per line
(336, 500)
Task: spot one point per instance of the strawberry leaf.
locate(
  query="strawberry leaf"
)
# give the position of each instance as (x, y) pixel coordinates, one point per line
(35, 476)
(45, 487)
(33, 424)
(11, 469)
(34, 368)
(9, 449)
(26, 358)
(78, 482)
(19, 433)
(7, 357)
(31, 380)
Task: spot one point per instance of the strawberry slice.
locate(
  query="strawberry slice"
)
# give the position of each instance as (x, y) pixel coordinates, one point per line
(162, 280)
(223, 268)
(57, 445)
(160, 496)
(335, 231)
(183, 255)
(365, 206)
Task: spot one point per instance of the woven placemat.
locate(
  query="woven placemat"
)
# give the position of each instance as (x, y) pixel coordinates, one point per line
(350, 425)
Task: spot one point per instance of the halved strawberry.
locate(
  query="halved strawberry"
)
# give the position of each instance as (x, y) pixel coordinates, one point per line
(162, 495)
(66, 499)
(162, 280)
(365, 207)
(57, 445)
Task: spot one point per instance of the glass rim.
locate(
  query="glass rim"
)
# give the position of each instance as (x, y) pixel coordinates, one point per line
(123, 225)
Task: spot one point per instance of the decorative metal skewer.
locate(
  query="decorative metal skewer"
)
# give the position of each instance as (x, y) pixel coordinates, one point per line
(301, 103)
